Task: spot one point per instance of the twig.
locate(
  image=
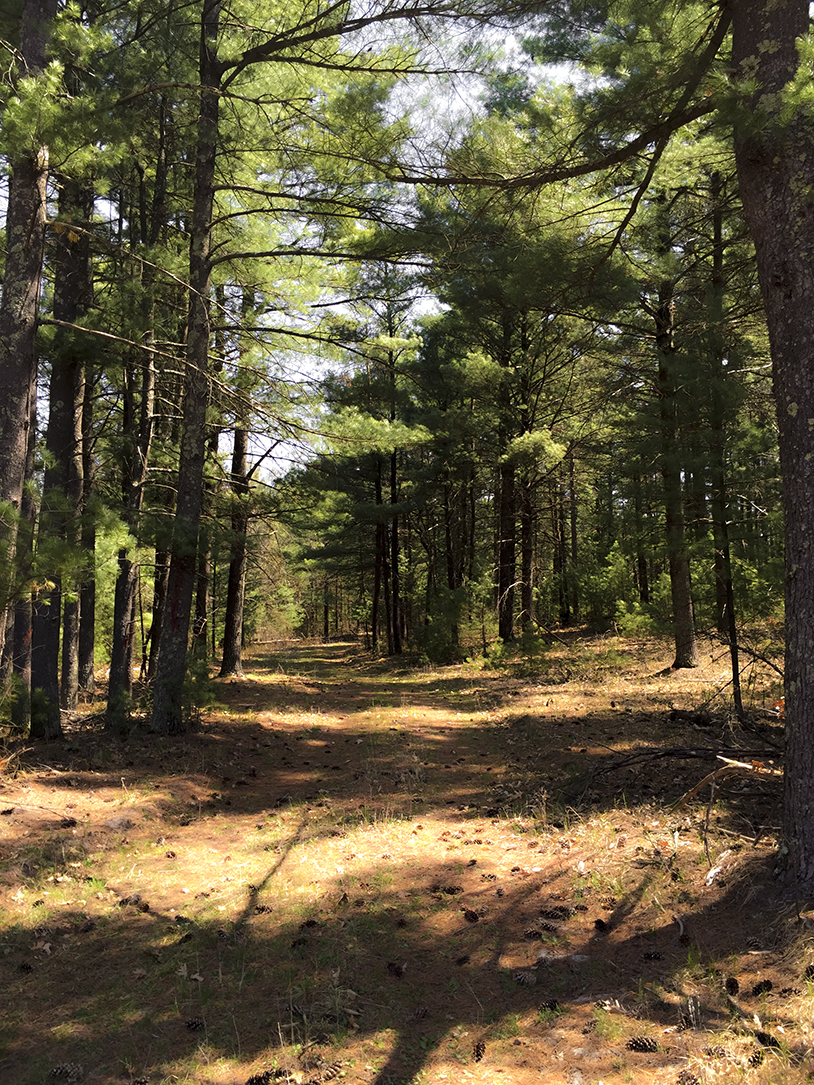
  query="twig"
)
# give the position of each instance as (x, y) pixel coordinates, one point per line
(753, 839)
(6, 761)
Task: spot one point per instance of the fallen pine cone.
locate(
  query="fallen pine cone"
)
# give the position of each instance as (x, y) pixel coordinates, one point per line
(642, 1043)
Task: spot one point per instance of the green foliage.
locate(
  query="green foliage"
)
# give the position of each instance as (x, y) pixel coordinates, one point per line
(537, 378)
(199, 692)
(112, 536)
(633, 620)
(437, 639)
(33, 113)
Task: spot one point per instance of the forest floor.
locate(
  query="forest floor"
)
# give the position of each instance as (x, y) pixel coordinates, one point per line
(375, 873)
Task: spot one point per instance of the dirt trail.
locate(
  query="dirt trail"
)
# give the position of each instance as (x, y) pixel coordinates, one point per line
(387, 876)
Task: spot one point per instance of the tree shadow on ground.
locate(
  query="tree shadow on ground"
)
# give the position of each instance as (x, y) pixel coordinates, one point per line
(406, 955)
(410, 967)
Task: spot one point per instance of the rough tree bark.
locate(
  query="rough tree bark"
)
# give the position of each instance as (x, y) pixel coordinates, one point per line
(21, 625)
(168, 702)
(25, 239)
(775, 161)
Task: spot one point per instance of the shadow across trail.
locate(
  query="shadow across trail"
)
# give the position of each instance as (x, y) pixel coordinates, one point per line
(326, 875)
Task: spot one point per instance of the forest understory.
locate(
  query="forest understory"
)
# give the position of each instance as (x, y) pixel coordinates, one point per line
(364, 871)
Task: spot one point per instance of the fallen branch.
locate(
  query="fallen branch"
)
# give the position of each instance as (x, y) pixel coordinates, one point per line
(9, 758)
(685, 753)
(728, 769)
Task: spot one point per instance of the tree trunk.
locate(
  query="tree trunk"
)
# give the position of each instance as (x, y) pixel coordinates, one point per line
(232, 661)
(138, 430)
(561, 537)
(526, 558)
(60, 519)
(573, 514)
(719, 498)
(395, 574)
(21, 624)
(168, 704)
(507, 559)
(382, 579)
(454, 571)
(203, 593)
(87, 591)
(678, 558)
(161, 574)
(73, 295)
(775, 162)
(203, 583)
(45, 622)
(25, 239)
(642, 575)
(117, 717)
(377, 588)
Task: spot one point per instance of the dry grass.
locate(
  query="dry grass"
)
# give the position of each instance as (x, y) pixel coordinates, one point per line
(369, 873)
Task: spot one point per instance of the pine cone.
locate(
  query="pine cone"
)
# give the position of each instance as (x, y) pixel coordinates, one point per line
(766, 1039)
(687, 1078)
(479, 1051)
(716, 1052)
(559, 911)
(70, 1071)
(642, 1043)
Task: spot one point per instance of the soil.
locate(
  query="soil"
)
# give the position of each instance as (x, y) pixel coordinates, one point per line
(371, 872)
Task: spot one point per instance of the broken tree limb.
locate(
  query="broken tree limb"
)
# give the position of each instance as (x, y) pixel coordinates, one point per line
(729, 769)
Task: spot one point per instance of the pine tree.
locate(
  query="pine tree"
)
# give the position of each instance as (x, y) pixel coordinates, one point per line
(25, 239)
